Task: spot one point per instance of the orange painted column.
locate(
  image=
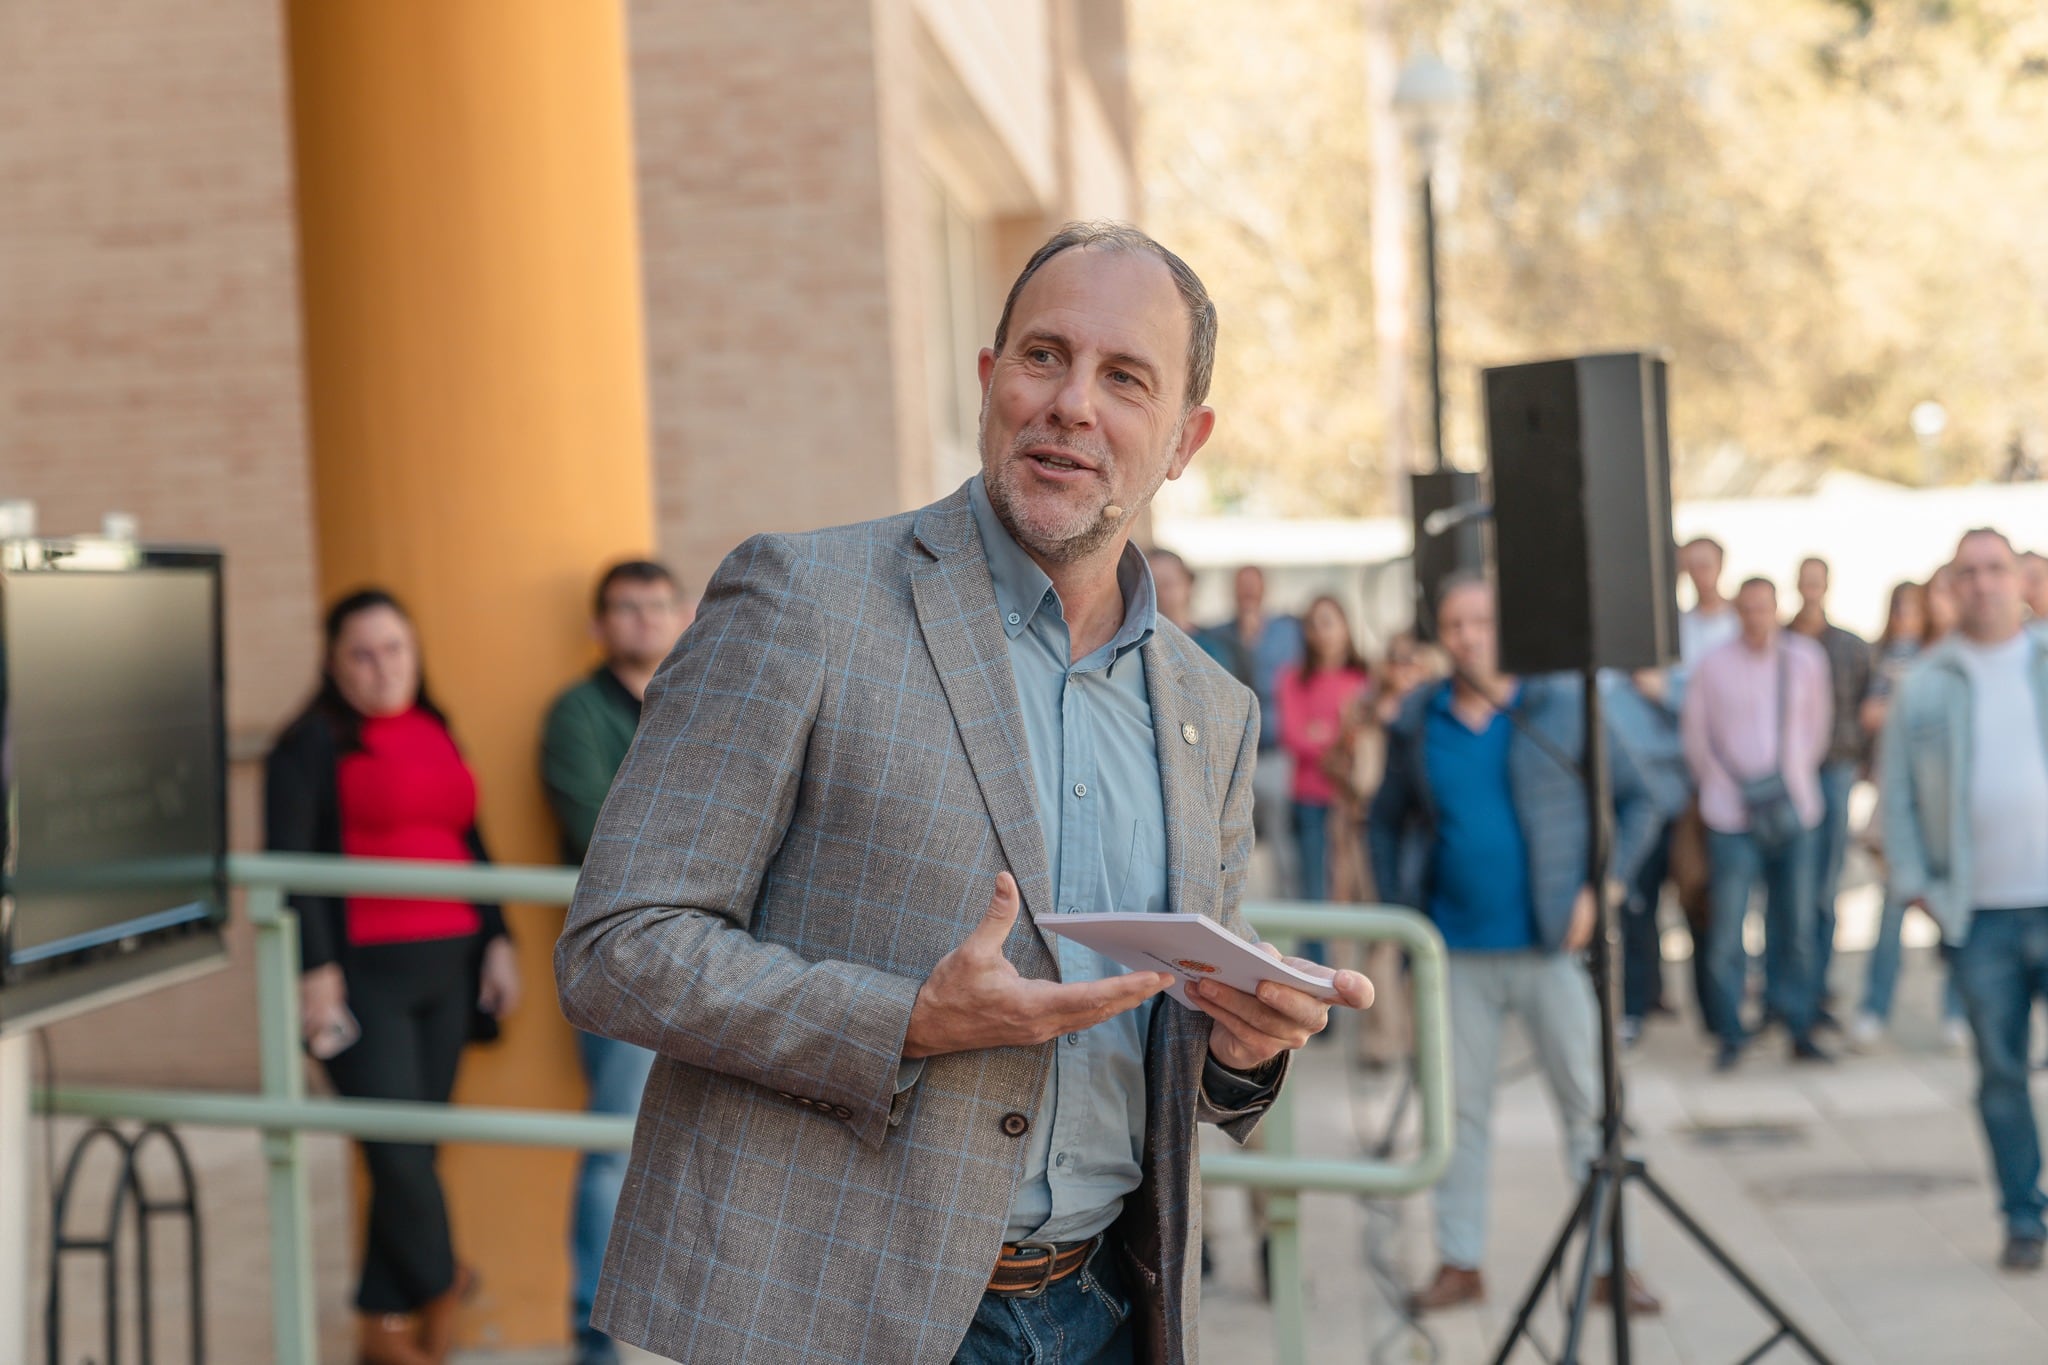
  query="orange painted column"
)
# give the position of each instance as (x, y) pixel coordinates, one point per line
(478, 418)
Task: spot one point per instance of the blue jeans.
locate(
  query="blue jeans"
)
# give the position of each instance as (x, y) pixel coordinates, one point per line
(1642, 950)
(2001, 968)
(616, 1072)
(1787, 875)
(1837, 780)
(1312, 845)
(1882, 981)
(1082, 1320)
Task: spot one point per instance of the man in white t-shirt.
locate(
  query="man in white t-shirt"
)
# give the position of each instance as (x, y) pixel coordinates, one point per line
(1712, 621)
(1966, 838)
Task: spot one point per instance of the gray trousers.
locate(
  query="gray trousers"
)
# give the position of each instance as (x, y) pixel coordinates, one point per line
(1552, 996)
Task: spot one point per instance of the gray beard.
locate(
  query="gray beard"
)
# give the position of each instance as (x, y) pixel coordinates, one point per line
(1071, 549)
(1084, 541)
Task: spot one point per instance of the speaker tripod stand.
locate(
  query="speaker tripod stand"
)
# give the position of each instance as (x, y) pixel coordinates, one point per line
(1598, 1212)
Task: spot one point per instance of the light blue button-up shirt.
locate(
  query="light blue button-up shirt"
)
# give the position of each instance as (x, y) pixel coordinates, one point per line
(1089, 724)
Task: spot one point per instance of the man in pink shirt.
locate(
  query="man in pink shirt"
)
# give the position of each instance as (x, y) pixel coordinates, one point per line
(1759, 708)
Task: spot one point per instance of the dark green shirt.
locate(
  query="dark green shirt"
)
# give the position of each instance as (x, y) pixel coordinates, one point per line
(588, 731)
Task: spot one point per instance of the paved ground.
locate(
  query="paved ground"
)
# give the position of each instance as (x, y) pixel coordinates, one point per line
(1856, 1192)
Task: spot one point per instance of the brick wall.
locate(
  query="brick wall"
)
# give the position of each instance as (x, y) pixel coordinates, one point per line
(773, 375)
(149, 363)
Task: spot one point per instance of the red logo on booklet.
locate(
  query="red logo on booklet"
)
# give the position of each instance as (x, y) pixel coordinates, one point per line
(1188, 964)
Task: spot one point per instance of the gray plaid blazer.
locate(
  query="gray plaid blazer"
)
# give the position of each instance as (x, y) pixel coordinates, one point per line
(829, 772)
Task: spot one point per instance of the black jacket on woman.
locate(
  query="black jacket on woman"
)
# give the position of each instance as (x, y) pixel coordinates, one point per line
(302, 814)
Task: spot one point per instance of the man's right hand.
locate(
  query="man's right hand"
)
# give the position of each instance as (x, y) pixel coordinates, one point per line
(975, 999)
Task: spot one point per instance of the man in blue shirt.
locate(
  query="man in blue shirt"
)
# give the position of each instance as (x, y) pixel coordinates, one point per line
(1254, 647)
(1480, 822)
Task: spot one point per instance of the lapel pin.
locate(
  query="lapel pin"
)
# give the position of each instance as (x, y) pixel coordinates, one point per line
(1189, 733)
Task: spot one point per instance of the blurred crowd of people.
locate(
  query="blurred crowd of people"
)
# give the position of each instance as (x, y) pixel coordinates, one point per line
(1431, 779)
(1424, 776)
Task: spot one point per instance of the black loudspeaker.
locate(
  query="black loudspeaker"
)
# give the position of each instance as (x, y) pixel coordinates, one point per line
(1581, 472)
(1460, 547)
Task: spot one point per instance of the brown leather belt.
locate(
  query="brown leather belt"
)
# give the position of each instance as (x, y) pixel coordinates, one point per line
(1026, 1270)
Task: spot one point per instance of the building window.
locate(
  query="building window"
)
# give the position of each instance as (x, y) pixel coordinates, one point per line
(956, 328)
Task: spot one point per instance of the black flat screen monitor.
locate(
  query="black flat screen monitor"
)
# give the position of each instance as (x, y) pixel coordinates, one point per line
(113, 762)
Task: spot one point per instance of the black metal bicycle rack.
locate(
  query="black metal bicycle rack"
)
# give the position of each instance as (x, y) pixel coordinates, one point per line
(130, 1201)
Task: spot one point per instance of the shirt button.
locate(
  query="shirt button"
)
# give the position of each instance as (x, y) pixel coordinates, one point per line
(1080, 789)
(1073, 1040)
(1013, 618)
(1016, 1125)
(1060, 1160)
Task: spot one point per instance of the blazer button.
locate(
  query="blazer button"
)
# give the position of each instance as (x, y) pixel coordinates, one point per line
(1016, 1125)
(843, 1114)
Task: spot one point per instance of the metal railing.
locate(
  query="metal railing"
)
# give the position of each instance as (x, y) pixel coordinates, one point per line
(283, 1113)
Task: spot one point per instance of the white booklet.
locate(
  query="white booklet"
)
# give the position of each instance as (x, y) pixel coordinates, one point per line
(1186, 947)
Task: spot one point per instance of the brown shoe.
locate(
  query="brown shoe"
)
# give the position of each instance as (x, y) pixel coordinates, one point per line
(1452, 1286)
(1641, 1302)
(437, 1316)
(387, 1339)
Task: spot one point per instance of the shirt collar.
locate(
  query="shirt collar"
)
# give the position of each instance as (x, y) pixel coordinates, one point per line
(1447, 693)
(1022, 588)
(609, 684)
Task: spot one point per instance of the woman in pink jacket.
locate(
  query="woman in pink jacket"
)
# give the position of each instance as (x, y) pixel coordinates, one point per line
(1313, 699)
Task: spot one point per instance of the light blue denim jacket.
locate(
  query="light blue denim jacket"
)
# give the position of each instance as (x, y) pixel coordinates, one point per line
(1924, 768)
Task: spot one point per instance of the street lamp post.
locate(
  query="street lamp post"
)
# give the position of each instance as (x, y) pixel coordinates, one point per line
(1929, 420)
(1427, 96)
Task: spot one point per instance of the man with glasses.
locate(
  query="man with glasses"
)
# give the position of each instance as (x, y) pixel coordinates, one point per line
(637, 615)
(1966, 839)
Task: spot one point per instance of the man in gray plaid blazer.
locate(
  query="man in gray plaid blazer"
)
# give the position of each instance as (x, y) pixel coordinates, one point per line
(892, 1118)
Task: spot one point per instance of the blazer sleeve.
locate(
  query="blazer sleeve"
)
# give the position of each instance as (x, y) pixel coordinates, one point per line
(298, 817)
(656, 949)
(1235, 1103)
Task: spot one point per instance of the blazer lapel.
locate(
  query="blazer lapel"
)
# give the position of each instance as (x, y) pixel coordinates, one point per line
(1180, 739)
(957, 613)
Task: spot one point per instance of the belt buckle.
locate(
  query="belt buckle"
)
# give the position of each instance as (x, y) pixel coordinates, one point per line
(1052, 1257)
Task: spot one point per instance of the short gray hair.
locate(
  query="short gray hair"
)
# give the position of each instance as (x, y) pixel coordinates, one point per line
(1457, 581)
(1993, 532)
(1123, 237)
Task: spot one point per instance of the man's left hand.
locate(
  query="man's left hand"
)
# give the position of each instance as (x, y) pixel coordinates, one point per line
(1585, 919)
(1252, 1030)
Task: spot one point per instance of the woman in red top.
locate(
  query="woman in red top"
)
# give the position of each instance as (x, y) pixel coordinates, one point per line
(390, 989)
(1312, 700)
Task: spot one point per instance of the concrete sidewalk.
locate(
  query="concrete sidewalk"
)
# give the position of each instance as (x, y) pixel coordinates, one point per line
(1857, 1195)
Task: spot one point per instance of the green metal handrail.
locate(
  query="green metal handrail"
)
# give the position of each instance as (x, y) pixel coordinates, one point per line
(282, 1112)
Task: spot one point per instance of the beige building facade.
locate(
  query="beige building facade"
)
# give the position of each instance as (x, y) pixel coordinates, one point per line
(832, 197)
